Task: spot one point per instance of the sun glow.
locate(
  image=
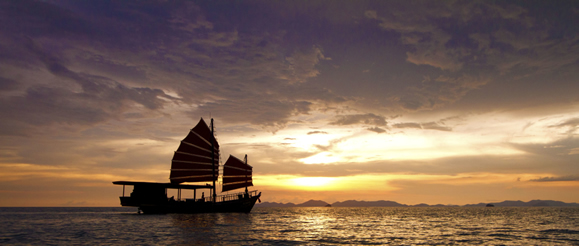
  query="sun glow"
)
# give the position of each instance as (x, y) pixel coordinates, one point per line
(321, 158)
(313, 181)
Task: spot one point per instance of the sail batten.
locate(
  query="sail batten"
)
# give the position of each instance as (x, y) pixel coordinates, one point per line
(197, 176)
(228, 180)
(239, 168)
(193, 145)
(202, 138)
(195, 162)
(228, 187)
(192, 161)
(200, 156)
(183, 170)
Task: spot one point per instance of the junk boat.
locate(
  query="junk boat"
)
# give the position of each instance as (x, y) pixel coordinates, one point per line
(196, 160)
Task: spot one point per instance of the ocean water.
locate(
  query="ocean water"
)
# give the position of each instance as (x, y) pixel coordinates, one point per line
(293, 226)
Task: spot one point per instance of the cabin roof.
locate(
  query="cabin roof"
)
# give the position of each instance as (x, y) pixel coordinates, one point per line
(164, 185)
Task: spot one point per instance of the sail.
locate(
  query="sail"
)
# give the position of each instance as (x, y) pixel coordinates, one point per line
(192, 160)
(236, 174)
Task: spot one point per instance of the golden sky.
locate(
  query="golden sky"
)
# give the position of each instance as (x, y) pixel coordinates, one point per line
(438, 102)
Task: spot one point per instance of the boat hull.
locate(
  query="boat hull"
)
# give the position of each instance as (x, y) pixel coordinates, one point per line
(242, 205)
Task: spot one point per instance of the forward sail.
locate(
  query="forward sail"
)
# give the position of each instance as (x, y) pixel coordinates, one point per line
(192, 160)
(236, 174)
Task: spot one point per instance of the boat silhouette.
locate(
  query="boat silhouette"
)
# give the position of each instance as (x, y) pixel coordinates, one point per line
(196, 160)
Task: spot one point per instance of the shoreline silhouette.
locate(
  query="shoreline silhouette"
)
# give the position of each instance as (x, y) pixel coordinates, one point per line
(382, 203)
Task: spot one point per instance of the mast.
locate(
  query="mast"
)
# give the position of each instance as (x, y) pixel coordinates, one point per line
(213, 160)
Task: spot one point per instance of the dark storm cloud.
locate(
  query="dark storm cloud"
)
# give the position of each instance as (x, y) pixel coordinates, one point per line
(8, 84)
(272, 115)
(101, 87)
(43, 106)
(434, 93)
(156, 47)
(94, 99)
(265, 90)
(476, 42)
(191, 49)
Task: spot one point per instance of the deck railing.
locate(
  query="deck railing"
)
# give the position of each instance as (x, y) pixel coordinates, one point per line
(236, 196)
(220, 198)
(226, 197)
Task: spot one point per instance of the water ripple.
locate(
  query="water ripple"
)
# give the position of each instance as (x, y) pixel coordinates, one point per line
(293, 226)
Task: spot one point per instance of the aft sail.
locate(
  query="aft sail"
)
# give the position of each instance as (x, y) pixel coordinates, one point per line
(192, 160)
(236, 174)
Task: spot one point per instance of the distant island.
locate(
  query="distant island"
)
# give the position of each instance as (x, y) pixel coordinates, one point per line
(382, 203)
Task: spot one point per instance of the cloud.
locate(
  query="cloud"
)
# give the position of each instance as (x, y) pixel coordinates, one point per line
(474, 50)
(454, 165)
(573, 151)
(423, 27)
(331, 145)
(8, 84)
(269, 114)
(366, 119)
(302, 65)
(435, 126)
(557, 179)
(423, 35)
(186, 54)
(572, 124)
(78, 98)
(44, 106)
(257, 87)
(117, 83)
(376, 129)
(562, 150)
(407, 125)
(426, 126)
(435, 93)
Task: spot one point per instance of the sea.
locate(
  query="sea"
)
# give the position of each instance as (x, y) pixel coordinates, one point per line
(294, 226)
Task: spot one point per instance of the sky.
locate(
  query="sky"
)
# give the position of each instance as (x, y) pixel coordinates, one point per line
(437, 102)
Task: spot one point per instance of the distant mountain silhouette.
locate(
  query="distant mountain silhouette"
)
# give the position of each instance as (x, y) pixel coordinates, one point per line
(354, 203)
(310, 203)
(382, 203)
(533, 203)
(313, 203)
(421, 205)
